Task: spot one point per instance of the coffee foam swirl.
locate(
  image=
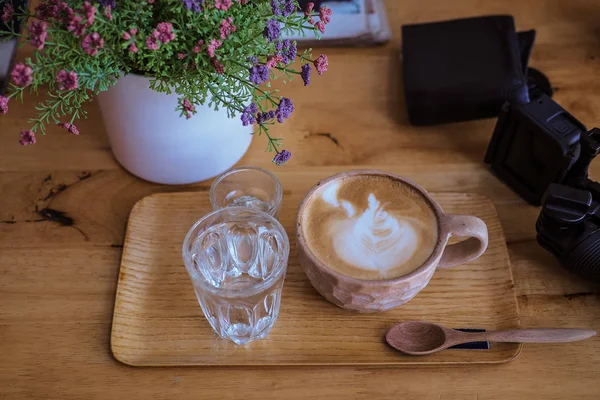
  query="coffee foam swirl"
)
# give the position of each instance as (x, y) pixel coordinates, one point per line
(371, 234)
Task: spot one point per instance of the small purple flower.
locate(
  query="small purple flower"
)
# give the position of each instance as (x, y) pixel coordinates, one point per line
(108, 3)
(272, 30)
(287, 50)
(275, 7)
(281, 157)
(252, 108)
(247, 119)
(248, 114)
(253, 60)
(282, 7)
(261, 118)
(259, 74)
(288, 8)
(305, 74)
(194, 5)
(285, 109)
(27, 137)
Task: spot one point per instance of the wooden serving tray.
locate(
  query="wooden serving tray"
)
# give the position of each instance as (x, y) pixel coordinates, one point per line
(158, 322)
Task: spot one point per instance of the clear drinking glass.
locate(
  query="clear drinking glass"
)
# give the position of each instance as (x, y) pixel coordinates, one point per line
(247, 187)
(237, 258)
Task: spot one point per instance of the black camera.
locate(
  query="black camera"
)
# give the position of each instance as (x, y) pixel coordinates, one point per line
(543, 153)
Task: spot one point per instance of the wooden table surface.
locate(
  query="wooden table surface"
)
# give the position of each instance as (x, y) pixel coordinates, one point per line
(57, 278)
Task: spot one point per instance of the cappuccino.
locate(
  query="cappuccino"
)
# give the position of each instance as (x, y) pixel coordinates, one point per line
(369, 227)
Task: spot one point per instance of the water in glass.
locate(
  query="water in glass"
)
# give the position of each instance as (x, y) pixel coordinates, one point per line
(236, 269)
(237, 199)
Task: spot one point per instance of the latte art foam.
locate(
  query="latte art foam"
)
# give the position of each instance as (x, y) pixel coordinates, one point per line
(370, 227)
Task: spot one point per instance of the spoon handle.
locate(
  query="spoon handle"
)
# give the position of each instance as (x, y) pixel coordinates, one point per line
(539, 335)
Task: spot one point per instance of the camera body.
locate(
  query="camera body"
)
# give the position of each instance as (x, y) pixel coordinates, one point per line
(534, 145)
(543, 153)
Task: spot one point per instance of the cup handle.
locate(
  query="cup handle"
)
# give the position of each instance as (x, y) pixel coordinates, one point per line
(467, 250)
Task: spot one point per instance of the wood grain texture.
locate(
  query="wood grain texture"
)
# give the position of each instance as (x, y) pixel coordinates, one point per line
(57, 286)
(157, 320)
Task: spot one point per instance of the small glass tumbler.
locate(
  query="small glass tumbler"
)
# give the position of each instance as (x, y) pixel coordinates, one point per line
(237, 258)
(247, 187)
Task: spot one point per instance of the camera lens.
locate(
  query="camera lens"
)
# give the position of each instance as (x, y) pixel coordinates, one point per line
(584, 259)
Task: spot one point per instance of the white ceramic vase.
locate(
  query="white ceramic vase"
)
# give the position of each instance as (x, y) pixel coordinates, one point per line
(151, 140)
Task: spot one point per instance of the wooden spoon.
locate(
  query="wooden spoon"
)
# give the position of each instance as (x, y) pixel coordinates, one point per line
(421, 338)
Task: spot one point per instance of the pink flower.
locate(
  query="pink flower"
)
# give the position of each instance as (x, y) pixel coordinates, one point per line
(222, 4)
(325, 14)
(133, 31)
(91, 43)
(150, 1)
(70, 127)
(196, 48)
(133, 48)
(54, 9)
(165, 30)
(90, 12)
(77, 26)
(320, 26)
(309, 9)
(188, 108)
(180, 56)
(3, 105)
(38, 34)
(7, 14)
(227, 27)
(152, 41)
(212, 46)
(27, 137)
(321, 63)
(273, 60)
(108, 13)
(220, 68)
(308, 12)
(64, 12)
(67, 80)
(126, 36)
(22, 75)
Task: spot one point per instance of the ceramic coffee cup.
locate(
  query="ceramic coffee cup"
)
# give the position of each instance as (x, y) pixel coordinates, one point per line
(364, 295)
